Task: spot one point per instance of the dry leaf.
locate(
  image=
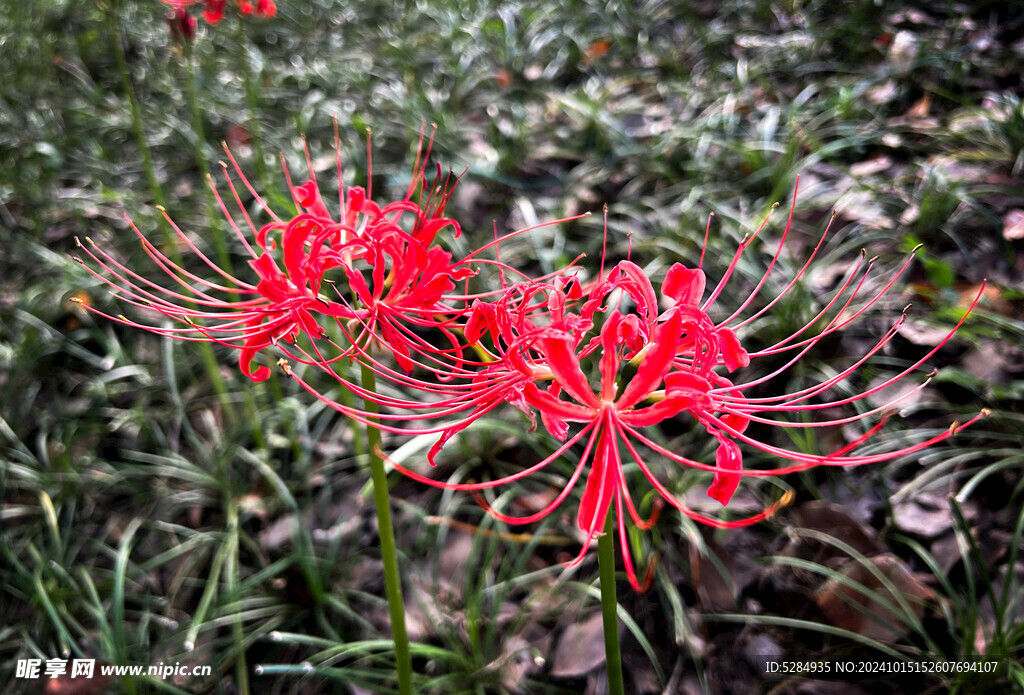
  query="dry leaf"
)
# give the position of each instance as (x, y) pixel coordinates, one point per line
(66, 685)
(922, 517)
(838, 523)
(580, 648)
(871, 166)
(921, 107)
(852, 610)
(716, 590)
(1013, 224)
(902, 50)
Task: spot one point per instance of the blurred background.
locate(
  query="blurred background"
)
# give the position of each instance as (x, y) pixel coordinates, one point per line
(157, 507)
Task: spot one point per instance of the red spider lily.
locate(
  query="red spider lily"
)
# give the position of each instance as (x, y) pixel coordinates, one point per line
(214, 10)
(182, 26)
(384, 254)
(654, 359)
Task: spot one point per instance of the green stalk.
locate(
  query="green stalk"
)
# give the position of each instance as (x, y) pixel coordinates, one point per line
(252, 101)
(233, 593)
(609, 605)
(202, 160)
(392, 580)
(117, 41)
(155, 190)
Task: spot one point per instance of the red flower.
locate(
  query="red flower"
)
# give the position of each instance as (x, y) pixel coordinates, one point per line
(383, 254)
(214, 10)
(182, 26)
(649, 365)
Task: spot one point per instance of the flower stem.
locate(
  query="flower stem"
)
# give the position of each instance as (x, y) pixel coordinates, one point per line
(117, 42)
(202, 159)
(156, 191)
(609, 605)
(252, 102)
(392, 580)
(234, 594)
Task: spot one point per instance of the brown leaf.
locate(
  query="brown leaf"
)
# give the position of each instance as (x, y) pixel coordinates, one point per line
(927, 515)
(875, 165)
(66, 685)
(838, 523)
(903, 50)
(716, 590)
(852, 610)
(921, 107)
(580, 648)
(1013, 224)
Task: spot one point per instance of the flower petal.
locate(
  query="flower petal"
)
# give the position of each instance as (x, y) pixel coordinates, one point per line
(566, 410)
(733, 353)
(564, 364)
(601, 485)
(684, 285)
(727, 458)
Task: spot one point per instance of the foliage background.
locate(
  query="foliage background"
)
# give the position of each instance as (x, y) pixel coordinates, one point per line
(145, 518)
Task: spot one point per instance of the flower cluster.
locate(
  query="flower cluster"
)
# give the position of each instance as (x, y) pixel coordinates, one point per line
(183, 25)
(602, 361)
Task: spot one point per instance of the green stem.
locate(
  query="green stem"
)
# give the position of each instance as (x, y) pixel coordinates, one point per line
(202, 160)
(392, 580)
(609, 605)
(233, 594)
(117, 42)
(252, 101)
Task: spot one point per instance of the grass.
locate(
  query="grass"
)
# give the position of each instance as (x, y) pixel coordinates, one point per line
(151, 513)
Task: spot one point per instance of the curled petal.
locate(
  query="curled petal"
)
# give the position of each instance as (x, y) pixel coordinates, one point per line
(601, 484)
(553, 423)
(546, 403)
(565, 365)
(727, 458)
(684, 285)
(481, 318)
(733, 353)
(631, 278)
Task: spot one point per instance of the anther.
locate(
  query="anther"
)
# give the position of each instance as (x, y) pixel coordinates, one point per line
(285, 366)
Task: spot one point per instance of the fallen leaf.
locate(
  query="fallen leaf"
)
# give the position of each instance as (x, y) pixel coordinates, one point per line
(871, 166)
(580, 649)
(902, 50)
(713, 577)
(838, 523)
(921, 107)
(1013, 224)
(866, 613)
(66, 685)
(922, 516)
